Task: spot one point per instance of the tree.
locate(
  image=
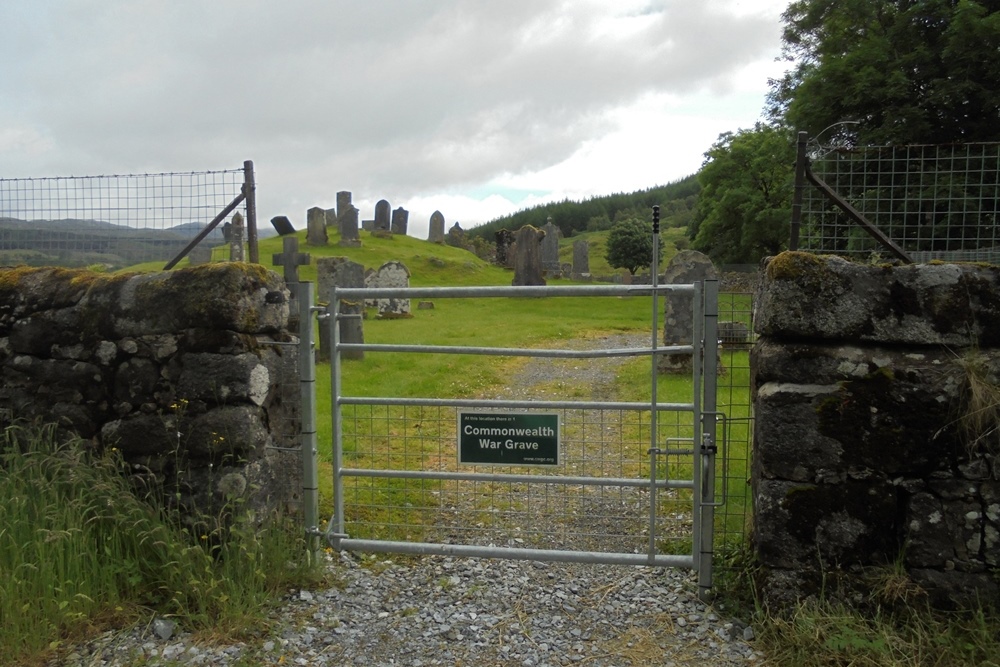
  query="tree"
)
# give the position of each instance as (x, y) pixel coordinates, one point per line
(630, 245)
(745, 204)
(904, 71)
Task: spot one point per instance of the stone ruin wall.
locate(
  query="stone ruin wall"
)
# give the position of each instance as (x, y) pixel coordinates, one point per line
(190, 374)
(863, 455)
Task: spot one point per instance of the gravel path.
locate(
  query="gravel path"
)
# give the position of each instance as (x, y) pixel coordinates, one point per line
(473, 612)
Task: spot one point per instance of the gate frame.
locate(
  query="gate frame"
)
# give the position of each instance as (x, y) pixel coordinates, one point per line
(703, 407)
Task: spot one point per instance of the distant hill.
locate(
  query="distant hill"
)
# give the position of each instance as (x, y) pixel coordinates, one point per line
(72, 242)
(676, 201)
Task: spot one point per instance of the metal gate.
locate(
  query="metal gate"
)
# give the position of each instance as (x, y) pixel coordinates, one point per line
(532, 478)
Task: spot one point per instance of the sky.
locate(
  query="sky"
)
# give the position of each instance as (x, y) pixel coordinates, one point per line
(475, 108)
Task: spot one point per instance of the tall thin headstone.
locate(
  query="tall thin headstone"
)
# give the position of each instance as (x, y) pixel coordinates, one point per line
(350, 237)
(504, 239)
(528, 257)
(316, 227)
(456, 237)
(236, 233)
(581, 260)
(400, 221)
(333, 272)
(687, 266)
(550, 249)
(343, 203)
(382, 213)
(435, 233)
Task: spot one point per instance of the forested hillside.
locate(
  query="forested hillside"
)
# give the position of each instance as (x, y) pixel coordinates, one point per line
(676, 200)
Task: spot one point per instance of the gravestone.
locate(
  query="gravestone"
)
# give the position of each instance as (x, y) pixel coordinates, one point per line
(334, 272)
(456, 236)
(290, 259)
(382, 211)
(392, 274)
(504, 239)
(368, 225)
(343, 203)
(550, 250)
(435, 233)
(687, 266)
(528, 257)
(236, 238)
(370, 282)
(331, 218)
(400, 221)
(581, 260)
(733, 333)
(316, 227)
(350, 237)
(282, 225)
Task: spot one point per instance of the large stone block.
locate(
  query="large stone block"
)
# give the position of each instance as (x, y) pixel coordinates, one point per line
(804, 296)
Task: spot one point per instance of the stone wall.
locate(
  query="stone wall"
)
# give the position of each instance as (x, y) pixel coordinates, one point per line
(867, 381)
(182, 372)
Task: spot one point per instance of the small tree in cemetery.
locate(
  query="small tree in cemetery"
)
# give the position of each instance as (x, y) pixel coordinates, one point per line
(630, 245)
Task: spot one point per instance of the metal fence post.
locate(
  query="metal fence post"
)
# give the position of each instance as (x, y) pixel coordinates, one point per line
(800, 186)
(250, 192)
(708, 446)
(307, 385)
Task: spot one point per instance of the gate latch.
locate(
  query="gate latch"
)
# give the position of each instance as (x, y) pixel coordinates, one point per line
(708, 446)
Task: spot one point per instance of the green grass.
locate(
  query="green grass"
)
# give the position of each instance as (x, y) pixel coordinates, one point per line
(81, 552)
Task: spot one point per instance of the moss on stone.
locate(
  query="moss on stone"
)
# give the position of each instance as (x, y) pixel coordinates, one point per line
(792, 264)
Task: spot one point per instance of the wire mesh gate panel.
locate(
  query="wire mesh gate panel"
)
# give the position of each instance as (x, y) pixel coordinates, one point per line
(634, 483)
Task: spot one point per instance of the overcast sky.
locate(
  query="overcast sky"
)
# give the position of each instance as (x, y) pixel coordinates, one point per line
(476, 108)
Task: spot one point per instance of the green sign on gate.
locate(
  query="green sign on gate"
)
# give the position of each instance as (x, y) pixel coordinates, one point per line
(510, 439)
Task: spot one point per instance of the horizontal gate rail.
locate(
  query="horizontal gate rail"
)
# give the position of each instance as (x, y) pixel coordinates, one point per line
(516, 553)
(518, 351)
(535, 405)
(533, 479)
(535, 291)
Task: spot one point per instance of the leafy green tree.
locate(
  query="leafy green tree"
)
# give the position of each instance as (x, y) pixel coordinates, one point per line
(745, 204)
(630, 245)
(905, 71)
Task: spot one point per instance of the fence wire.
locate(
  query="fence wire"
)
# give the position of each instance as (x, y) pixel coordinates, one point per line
(112, 221)
(933, 201)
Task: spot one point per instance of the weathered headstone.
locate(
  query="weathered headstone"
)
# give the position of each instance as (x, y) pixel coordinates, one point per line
(236, 238)
(456, 236)
(316, 227)
(349, 235)
(687, 266)
(291, 259)
(392, 274)
(343, 203)
(400, 221)
(382, 213)
(282, 225)
(528, 257)
(550, 249)
(733, 333)
(333, 272)
(504, 239)
(370, 275)
(581, 260)
(368, 225)
(331, 218)
(435, 233)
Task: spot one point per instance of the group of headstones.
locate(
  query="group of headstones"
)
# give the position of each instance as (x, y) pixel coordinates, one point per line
(534, 255)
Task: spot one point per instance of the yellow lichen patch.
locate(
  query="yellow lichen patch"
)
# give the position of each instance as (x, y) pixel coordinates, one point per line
(791, 264)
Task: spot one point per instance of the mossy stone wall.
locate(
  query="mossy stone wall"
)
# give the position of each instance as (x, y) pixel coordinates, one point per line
(863, 455)
(190, 374)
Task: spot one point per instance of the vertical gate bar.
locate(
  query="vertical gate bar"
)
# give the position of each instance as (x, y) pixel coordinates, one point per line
(654, 359)
(697, 360)
(708, 447)
(250, 191)
(337, 517)
(307, 388)
(797, 193)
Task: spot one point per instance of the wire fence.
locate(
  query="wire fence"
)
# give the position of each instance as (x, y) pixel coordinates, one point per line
(113, 221)
(931, 201)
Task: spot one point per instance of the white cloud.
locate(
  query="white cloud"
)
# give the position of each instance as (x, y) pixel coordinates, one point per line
(427, 103)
